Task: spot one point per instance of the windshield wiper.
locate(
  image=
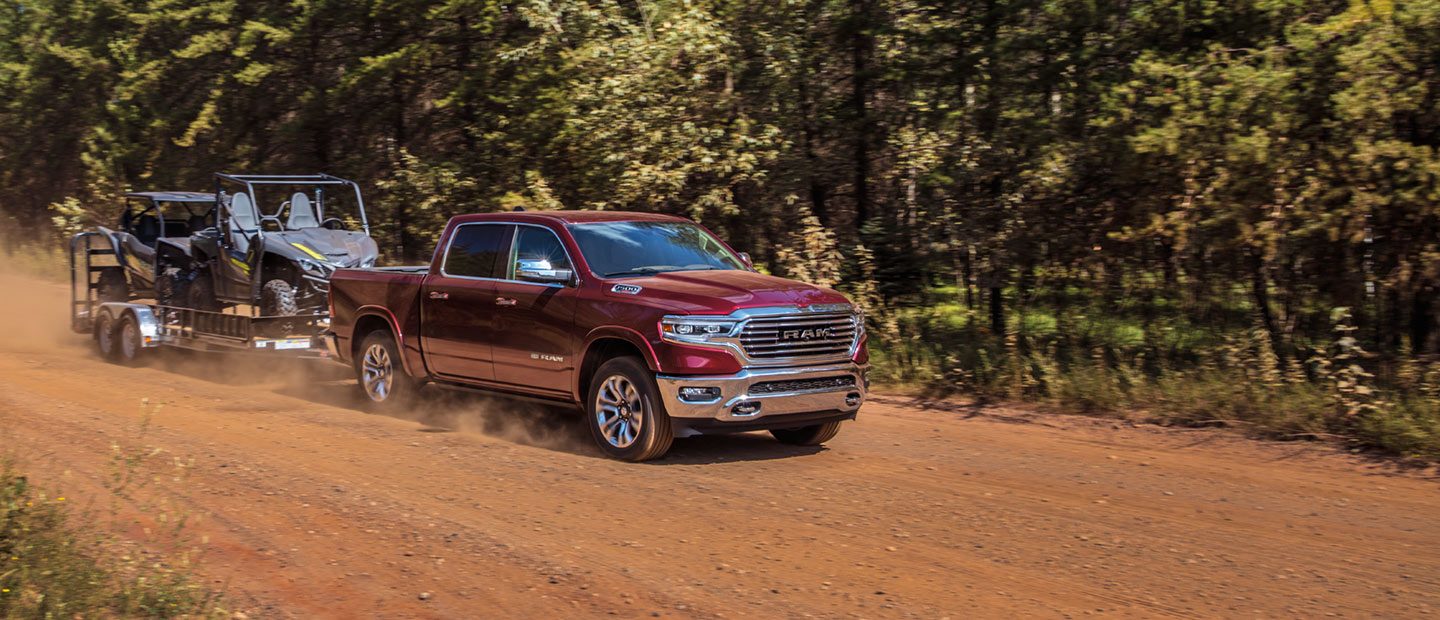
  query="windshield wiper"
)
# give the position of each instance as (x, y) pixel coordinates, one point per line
(641, 271)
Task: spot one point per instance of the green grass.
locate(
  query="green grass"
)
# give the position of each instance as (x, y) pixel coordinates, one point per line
(52, 567)
(1147, 357)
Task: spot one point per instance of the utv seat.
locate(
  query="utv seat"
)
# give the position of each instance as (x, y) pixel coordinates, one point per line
(302, 213)
(243, 222)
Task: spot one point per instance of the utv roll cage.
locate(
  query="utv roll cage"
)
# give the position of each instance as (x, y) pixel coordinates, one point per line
(250, 181)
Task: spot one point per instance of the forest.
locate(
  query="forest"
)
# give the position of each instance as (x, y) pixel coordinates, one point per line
(1213, 212)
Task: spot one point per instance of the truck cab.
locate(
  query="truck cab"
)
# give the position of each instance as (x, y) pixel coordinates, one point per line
(650, 324)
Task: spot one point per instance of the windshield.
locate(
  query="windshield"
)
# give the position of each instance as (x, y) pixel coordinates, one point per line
(618, 249)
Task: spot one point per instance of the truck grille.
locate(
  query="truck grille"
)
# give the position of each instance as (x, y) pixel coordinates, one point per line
(798, 335)
(803, 385)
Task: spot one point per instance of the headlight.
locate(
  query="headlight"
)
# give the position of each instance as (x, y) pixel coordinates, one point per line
(314, 267)
(696, 330)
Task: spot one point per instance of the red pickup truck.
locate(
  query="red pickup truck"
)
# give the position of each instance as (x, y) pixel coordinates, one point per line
(650, 324)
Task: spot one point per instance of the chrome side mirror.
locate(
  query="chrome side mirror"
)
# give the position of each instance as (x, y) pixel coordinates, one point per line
(540, 270)
(745, 258)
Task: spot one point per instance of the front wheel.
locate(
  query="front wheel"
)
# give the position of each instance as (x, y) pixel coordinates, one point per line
(382, 377)
(807, 435)
(624, 412)
(277, 298)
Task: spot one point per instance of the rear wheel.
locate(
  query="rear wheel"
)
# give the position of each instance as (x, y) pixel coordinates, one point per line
(200, 295)
(171, 287)
(105, 337)
(129, 343)
(381, 375)
(807, 435)
(624, 412)
(278, 299)
(112, 285)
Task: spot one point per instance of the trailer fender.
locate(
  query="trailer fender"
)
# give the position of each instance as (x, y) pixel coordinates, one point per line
(144, 316)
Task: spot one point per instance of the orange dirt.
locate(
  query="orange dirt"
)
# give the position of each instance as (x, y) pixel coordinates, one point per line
(306, 506)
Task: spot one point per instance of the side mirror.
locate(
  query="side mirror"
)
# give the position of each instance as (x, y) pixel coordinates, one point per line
(745, 258)
(539, 270)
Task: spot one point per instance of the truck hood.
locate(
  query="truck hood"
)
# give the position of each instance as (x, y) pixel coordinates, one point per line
(722, 291)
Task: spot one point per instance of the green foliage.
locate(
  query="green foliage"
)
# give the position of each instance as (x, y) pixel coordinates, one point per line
(1028, 198)
(51, 568)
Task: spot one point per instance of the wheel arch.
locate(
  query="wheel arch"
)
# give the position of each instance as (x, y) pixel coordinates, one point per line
(373, 318)
(606, 344)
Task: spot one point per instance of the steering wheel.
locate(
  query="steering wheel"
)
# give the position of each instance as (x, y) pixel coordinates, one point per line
(332, 223)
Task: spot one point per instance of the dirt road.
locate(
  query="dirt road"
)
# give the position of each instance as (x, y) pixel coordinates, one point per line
(308, 507)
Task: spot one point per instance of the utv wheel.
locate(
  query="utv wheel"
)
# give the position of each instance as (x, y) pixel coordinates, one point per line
(171, 288)
(278, 299)
(200, 295)
(112, 285)
(382, 376)
(625, 414)
(807, 435)
(129, 343)
(105, 337)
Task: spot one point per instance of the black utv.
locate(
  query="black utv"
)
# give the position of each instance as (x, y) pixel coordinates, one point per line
(275, 242)
(154, 230)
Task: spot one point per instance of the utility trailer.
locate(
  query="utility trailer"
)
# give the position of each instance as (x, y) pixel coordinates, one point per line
(126, 330)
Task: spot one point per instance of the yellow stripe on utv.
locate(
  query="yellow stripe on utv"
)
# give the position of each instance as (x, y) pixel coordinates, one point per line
(240, 263)
(307, 250)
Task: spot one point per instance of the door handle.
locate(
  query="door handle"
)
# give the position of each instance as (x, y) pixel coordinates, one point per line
(504, 301)
(439, 295)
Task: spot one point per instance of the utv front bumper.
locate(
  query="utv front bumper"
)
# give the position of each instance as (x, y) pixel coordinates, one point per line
(763, 398)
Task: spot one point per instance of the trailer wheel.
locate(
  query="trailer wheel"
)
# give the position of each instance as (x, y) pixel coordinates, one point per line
(278, 299)
(807, 435)
(381, 375)
(624, 412)
(130, 344)
(105, 337)
(112, 285)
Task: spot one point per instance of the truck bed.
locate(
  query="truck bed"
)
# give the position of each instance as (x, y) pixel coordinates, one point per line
(392, 291)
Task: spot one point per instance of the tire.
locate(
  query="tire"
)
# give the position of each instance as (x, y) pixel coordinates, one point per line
(277, 298)
(129, 348)
(105, 337)
(624, 412)
(807, 435)
(171, 287)
(200, 295)
(112, 285)
(381, 375)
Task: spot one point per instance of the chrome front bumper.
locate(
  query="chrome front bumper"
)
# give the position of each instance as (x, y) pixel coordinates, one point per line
(739, 389)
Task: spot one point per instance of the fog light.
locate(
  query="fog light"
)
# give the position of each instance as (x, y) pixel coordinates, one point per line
(852, 399)
(699, 393)
(745, 409)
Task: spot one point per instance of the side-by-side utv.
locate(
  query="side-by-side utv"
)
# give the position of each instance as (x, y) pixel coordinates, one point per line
(153, 229)
(276, 241)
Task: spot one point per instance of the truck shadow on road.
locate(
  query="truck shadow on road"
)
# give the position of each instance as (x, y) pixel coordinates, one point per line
(517, 421)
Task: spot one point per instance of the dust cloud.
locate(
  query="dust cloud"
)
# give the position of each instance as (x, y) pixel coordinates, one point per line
(38, 316)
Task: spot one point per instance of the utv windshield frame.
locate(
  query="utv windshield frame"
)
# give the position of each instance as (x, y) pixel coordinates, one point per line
(250, 181)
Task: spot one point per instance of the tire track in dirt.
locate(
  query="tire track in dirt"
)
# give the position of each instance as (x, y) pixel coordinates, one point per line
(313, 508)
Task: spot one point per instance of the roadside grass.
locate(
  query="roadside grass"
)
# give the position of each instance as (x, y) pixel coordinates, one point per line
(39, 260)
(60, 561)
(1205, 367)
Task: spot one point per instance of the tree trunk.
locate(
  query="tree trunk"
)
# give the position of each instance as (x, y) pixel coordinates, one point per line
(1260, 291)
(861, 44)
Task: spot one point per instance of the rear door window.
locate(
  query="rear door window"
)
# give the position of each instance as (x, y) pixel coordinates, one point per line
(476, 251)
